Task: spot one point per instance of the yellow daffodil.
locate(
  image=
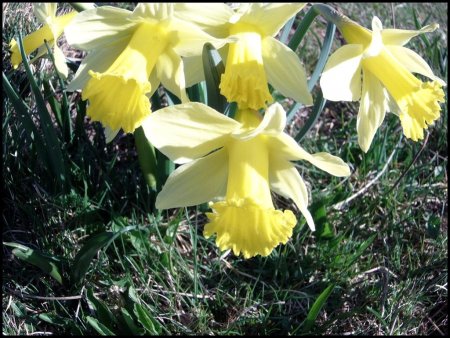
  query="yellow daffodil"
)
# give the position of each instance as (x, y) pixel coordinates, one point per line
(236, 164)
(50, 32)
(129, 55)
(386, 82)
(255, 57)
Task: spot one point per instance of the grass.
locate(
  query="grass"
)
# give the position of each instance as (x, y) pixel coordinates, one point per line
(377, 265)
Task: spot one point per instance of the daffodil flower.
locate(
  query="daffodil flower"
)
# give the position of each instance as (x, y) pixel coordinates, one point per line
(129, 55)
(255, 57)
(236, 163)
(50, 32)
(387, 81)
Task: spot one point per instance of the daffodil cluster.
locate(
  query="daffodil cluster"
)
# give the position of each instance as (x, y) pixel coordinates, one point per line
(236, 163)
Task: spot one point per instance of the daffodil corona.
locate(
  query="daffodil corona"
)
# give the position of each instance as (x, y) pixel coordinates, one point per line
(387, 79)
(254, 57)
(236, 164)
(129, 55)
(50, 32)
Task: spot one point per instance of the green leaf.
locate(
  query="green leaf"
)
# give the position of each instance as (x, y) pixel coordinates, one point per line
(129, 321)
(213, 68)
(319, 213)
(150, 324)
(99, 327)
(22, 111)
(319, 104)
(48, 264)
(53, 319)
(302, 29)
(315, 309)
(53, 146)
(86, 254)
(147, 157)
(104, 315)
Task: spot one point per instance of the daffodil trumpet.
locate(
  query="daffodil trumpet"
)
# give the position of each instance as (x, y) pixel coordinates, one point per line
(129, 55)
(254, 58)
(234, 165)
(375, 69)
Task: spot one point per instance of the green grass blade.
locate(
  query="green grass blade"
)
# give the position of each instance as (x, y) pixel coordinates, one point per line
(65, 111)
(315, 309)
(55, 156)
(23, 113)
(360, 250)
(213, 68)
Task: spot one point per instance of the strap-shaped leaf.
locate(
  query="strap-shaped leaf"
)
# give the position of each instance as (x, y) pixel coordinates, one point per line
(213, 68)
(48, 264)
(315, 309)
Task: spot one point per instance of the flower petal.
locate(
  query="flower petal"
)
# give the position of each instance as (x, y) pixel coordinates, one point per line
(100, 27)
(372, 110)
(44, 10)
(196, 182)
(60, 62)
(98, 60)
(193, 70)
(188, 131)
(413, 62)
(188, 39)
(341, 78)
(157, 11)
(270, 18)
(274, 121)
(286, 181)
(170, 72)
(376, 44)
(286, 147)
(401, 37)
(284, 71)
(109, 133)
(211, 17)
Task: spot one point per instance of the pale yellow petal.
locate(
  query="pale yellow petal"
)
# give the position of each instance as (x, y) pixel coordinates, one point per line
(152, 11)
(286, 181)
(341, 78)
(413, 62)
(60, 62)
(188, 131)
(188, 39)
(196, 182)
(372, 110)
(44, 10)
(110, 134)
(286, 147)
(171, 74)
(98, 60)
(285, 71)
(270, 17)
(99, 28)
(376, 44)
(273, 122)
(211, 17)
(193, 70)
(401, 37)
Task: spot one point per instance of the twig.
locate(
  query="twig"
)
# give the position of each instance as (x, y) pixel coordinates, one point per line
(342, 204)
(21, 295)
